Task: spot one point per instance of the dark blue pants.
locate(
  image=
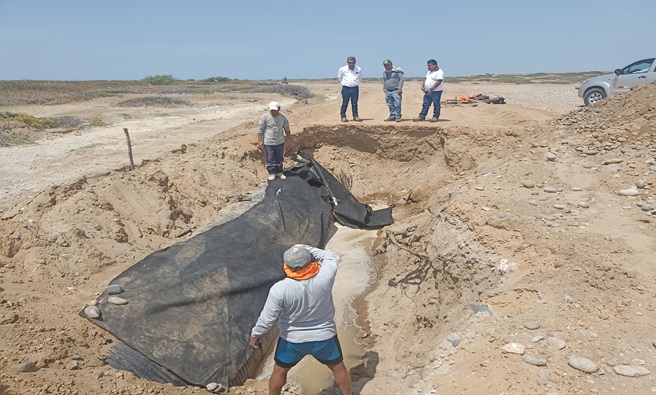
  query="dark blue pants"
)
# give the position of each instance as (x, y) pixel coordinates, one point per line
(433, 98)
(352, 94)
(274, 157)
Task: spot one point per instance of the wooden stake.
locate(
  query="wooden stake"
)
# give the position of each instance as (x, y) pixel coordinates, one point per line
(127, 136)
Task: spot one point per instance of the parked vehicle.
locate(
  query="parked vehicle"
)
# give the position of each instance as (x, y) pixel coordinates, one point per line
(637, 73)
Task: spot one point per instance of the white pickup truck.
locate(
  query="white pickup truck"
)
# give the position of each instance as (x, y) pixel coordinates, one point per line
(637, 73)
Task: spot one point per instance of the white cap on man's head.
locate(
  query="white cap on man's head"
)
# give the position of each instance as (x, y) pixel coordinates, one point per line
(274, 105)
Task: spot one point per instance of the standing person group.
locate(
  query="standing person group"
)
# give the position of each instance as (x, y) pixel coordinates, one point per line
(350, 76)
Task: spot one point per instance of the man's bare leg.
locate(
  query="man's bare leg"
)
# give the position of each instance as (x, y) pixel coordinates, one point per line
(342, 378)
(278, 379)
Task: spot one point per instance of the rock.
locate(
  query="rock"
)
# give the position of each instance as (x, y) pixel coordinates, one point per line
(556, 343)
(533, 360)
(455, 342)
(114, 289)
(211, 387)
(640, 184)
(582, 364)
(591, 152)
(589, 333)
(26, 367)
(533, 202)
(614, 167)
(528, 184)
(560, 206)
(550, 190)
(93, 302)
(628, 192)
(550, 156)
(612, 161)
(569, 299)
(532, 325)
(653, 342)
(646, 207)
(92, 311)
(513, 348)
(631, 370)
(117, 301)
(584, 205)
(576, 189)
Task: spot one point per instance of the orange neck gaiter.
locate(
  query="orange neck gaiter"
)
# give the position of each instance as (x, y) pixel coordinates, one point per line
(308, 271)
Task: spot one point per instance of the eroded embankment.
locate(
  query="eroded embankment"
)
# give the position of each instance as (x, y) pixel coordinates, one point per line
(70, 240)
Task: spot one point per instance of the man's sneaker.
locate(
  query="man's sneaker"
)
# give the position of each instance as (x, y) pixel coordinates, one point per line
(390, 119)
(281, 176)
(398, 119)
(433, 119)
(344, 119)
(357, 119)
(271, 177)
(418, 119)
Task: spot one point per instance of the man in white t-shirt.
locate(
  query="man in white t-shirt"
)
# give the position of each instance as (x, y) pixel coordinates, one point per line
(270, 138)
(432, 88)
(349, 77)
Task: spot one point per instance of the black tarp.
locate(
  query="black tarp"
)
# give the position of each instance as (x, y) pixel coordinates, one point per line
(192, 305)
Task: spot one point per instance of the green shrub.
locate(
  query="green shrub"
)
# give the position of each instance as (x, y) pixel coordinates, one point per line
(217, 79)
(159, 80)
(37, 123)
(98, 123)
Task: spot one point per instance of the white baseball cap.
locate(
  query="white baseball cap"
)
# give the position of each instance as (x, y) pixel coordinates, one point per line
(274, 105)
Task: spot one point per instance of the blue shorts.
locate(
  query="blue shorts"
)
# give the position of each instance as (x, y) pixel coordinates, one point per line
(328, 352)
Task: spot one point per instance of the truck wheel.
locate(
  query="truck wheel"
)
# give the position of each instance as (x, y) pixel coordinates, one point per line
(593, 95)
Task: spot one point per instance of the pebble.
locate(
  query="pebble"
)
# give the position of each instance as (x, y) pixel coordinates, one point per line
(568, 299)
(556, 343)
(560, 206)
(535, 193)
(652, 167)
(532, 325)
(538, 216)
(550, 190)
(550, 156)
(591, 152)
(614, 167)
(646, 207)
(584, 204)
(653, 342)
(528, 184)
(533, 202)
(92, 312)
(589, 333)
(479, 188)
(93, 302)
(117, 301)
(582, 364)
(455, 342)
(576, 189)
(628, 192)
(502, 215)
(25, 367)
(114, 289)
(211, 386)
(640, 184)
(537, 338)
(513, 348)
(533, 360)
(612, 161)
(631, 370)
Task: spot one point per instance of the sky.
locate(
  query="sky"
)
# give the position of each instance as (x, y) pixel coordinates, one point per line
(302, 39)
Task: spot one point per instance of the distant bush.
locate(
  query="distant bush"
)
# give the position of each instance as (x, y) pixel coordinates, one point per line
(159, 80)
(37, 123)
(299, 92)
(217, 79)
(153, 101)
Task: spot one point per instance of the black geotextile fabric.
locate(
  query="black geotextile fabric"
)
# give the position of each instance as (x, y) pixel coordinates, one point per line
(192, 305)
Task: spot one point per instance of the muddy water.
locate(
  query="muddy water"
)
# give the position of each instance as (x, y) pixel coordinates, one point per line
(350, 246)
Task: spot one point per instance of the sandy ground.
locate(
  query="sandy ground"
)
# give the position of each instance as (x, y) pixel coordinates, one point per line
(512, 258)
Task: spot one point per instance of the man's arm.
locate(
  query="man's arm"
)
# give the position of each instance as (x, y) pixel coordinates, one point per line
(268, 316)
(261, 128)
(340, 74)
(323, 256)
(400, 73)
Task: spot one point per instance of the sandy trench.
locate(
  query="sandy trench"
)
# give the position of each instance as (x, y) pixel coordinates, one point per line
(481, 250)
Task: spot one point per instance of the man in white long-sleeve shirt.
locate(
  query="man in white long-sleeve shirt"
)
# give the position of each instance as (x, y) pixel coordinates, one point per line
(303, 304)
